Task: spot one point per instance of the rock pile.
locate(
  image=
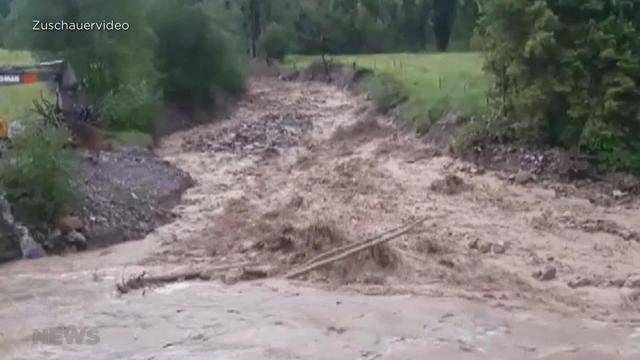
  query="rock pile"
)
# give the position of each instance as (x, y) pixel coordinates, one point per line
(263, 137)
(126, 195)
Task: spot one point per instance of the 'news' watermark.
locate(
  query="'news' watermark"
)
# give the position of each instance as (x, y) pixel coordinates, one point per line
(62, 25)
(66, 335)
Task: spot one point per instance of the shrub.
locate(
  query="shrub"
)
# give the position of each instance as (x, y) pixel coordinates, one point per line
(36, 173)
(104, 60)
(567, 71)
(192, 56)
(385, 91)
(133, 106)
(275, 42)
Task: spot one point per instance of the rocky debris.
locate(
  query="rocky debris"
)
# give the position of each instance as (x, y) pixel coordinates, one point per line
(546, 274)
(551, 163)
(624, 184)
(367, 128)
(617, 194)
(471, 169)
(248, 273)
(486, 247)
(601, 226)
(473, 244)
(579, 282)
(296, 202)
(447, 263)
(15, 239)
(498, 248)
(632, 281)
(566, 172)
(59, 242)
(522, 177)
(616, 282)
(264, 136)
(232, 276)
(441, 134)
(257, 272)
(127, 194)
(76, 239)
(450, 185)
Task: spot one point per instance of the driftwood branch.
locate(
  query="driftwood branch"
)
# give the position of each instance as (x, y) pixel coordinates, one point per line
(347, 247)
(349, 250)
(142, 281)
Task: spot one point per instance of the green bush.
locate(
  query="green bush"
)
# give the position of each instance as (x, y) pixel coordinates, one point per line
(275, 42)
(37, 171)
(134, 106)
(567, 72)
(192, 56)
(385, 91)
(104, 60)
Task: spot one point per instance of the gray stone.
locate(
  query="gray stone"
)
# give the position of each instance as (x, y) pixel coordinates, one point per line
(617, 194)
(633, 281)
(76, 239)
(485, 247)
(15, 238)
(498, 248)
(523, 177)
(546, 274)
(580, 282)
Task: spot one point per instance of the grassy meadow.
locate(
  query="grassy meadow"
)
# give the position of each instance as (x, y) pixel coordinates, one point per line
(15, 101)
(432, 84)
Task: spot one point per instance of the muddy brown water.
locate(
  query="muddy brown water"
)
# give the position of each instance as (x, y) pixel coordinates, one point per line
(443, 300)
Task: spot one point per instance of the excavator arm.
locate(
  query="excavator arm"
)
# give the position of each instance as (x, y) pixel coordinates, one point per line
(58, 73)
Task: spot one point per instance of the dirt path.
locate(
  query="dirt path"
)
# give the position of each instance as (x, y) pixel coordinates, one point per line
(303, 167)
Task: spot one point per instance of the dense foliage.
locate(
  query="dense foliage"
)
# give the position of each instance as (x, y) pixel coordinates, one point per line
(179, 49)
(567, 72)
(192, 56)
(276, 41)
(36, 173)
(176, 49)
(104, 58)
(360, 26)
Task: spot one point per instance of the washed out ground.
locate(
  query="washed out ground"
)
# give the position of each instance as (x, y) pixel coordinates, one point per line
(503, 267)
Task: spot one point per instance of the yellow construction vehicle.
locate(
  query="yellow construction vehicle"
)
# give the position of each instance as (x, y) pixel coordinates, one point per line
(4, 128)
(78, 116)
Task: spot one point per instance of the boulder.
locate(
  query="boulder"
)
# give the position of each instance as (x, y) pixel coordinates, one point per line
(15, 239)
(546, 274)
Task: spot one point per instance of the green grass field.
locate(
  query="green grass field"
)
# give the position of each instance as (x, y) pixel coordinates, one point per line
(433, 84)
(15, 101)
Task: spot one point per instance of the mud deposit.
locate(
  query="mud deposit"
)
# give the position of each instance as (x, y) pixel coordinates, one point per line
(500, 269)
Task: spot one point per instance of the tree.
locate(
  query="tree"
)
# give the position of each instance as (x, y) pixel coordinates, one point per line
(5, 6)
(443, 19)
(275, 41)
(104, 59)
(192, 55)
(464, 25)
(568, 72)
